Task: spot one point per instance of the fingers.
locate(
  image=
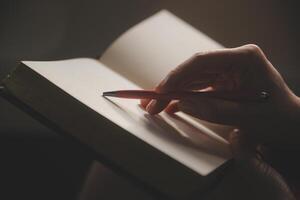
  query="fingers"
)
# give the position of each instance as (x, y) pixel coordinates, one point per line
(217, 69)
(204, 67)
(213, 110)
(144, 102)
(199, 72)
(172, 108)
(156, 106)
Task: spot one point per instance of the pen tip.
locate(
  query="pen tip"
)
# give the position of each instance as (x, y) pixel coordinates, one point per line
(108, 94)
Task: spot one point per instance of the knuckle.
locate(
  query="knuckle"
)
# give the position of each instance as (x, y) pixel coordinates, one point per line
(195, 57)
(252, 50)
(199, 55)
(252, 47)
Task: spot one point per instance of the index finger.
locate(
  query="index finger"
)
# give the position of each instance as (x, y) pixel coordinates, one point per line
(203, 67)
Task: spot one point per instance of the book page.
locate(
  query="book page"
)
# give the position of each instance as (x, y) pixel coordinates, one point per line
(189, 143)
(147, 52)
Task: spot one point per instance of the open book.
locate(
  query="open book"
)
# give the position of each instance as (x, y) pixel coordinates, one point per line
(175, 155)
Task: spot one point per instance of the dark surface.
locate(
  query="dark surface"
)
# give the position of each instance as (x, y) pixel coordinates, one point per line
(48, 168)
(38, 164)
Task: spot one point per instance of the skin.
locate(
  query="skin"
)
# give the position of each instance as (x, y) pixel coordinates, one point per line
(272, 122)
(235, 70)
(259, 124)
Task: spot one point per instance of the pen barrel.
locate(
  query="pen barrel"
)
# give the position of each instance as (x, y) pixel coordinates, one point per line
(143, 95)
(226, 95)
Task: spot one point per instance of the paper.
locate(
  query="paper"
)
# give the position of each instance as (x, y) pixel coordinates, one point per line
(85, 79)
(146, 53)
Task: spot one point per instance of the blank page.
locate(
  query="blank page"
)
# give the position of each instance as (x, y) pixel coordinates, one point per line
(148, 51)
(85, 79)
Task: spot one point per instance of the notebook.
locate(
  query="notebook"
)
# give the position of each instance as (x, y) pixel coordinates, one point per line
(176, 156)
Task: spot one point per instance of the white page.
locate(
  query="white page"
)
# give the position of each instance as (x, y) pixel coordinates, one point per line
(147, 52)
(85, 79)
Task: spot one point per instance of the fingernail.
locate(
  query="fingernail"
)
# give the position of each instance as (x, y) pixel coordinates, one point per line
(151, 105)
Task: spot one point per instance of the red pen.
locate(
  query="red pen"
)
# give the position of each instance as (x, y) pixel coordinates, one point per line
(150, 94)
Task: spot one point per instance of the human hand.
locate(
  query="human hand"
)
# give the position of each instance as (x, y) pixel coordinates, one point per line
(236, 70)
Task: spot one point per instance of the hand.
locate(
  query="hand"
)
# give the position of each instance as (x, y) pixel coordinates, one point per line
(238, 70)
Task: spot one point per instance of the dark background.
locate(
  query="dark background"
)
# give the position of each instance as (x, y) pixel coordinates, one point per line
(36, 163)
